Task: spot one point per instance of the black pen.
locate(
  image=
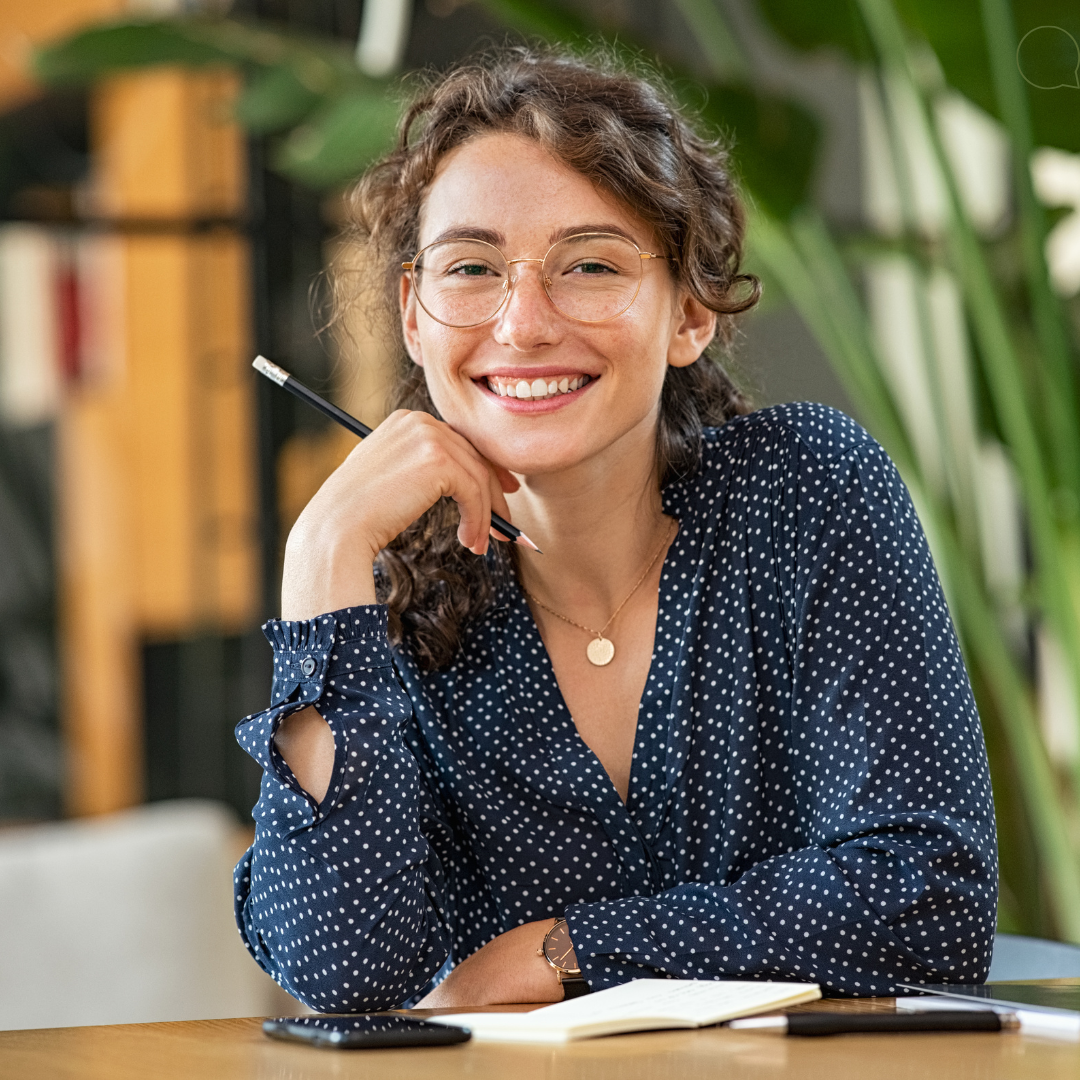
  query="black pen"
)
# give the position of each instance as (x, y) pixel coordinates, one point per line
(280, 376)
(839, 1023)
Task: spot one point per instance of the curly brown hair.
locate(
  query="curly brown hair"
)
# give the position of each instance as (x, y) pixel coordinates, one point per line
(623, 132)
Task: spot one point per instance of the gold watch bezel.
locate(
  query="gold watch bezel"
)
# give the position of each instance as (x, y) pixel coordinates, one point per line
(560, 971)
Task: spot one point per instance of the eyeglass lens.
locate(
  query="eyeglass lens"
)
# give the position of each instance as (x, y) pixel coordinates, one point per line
(591, 278)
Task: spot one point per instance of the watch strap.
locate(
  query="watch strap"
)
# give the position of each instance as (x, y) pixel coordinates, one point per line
(575, 987)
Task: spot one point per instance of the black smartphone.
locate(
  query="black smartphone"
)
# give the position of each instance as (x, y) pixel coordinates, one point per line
(363, 1030)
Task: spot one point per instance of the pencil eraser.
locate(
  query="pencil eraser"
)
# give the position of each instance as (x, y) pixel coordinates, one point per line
(270, 370)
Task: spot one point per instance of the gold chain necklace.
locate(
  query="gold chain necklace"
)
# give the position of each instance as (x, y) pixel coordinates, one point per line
(600, 650)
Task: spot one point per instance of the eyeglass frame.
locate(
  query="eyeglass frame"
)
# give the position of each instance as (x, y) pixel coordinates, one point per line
(508, 287)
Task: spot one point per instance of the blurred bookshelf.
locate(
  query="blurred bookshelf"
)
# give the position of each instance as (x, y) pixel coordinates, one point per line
(127, 335)
(130, 495)
(43, 154)
(147, 478)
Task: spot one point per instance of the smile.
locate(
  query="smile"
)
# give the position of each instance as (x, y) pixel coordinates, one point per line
(536, 389)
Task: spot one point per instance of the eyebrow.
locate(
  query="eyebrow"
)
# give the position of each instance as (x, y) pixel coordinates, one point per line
(497, 239)
(602, 227)
(471, 232)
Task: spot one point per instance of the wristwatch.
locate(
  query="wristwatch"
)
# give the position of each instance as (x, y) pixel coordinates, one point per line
(559, 953)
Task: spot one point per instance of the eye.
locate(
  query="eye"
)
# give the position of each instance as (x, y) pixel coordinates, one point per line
(588, 267)
(469, 270)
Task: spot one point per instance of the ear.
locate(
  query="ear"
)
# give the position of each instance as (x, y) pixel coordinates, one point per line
(694, 326)
(407, 305)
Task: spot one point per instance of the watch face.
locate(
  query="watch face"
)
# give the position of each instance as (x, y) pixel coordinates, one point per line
(558, 949)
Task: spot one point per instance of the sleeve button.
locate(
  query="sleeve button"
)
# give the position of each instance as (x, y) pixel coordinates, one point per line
(307, 665)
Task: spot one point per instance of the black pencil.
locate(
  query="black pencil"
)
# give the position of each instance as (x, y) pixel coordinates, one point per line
(280, 376)
(838, 1023)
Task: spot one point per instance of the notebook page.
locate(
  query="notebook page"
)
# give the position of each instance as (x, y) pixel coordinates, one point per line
(698, 1001)
(686, 1001)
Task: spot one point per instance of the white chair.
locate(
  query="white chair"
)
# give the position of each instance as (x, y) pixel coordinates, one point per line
(126, 919)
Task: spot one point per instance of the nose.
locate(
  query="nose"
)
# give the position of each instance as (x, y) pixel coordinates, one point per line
(527, 319)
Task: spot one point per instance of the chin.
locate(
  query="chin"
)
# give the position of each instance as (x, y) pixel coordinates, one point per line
(567, 447)
(526, 463)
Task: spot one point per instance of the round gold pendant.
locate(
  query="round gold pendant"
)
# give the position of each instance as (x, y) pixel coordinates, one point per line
(600, 651)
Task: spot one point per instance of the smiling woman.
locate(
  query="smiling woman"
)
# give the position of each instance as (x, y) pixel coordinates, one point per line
(721, 727)
(650, 176)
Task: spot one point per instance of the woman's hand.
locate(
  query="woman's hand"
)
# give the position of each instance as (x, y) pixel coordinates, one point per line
(507, 970)
(405, 466)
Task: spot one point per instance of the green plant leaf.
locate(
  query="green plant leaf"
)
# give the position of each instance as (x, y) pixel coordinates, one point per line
(1053, 111)
(775, 144)
(274, 99)
(117, 46)
(546, 20)
(336, 143)
(813, 26)
(953, 30)
(290, 79)
(709, 27)
(319, 65)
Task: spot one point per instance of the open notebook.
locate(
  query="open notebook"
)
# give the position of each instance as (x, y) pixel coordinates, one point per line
(642, 1005)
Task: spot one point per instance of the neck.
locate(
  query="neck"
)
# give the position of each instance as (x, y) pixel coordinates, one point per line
(598, 523)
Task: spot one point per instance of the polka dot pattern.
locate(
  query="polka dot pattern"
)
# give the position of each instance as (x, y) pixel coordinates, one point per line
(809, 796)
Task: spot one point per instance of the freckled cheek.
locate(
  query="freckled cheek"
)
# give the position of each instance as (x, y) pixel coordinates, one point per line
(446, 351)
(638, 354)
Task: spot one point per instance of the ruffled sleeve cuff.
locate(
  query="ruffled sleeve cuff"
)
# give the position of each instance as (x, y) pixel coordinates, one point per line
(303, 649)
(308, 655)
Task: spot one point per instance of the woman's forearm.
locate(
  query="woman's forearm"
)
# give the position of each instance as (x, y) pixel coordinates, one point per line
(508, 970)
(324, 571)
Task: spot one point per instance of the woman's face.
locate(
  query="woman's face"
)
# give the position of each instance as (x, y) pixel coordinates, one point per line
(510, 191)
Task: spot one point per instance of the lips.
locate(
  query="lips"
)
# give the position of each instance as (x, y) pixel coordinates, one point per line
(535, 389)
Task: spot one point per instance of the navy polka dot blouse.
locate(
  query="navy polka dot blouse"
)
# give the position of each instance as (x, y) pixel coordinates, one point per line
(809, 796)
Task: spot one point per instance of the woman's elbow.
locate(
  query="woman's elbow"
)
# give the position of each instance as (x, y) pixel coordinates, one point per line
(359, 980)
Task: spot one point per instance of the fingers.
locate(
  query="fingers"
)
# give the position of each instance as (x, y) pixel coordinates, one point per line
(493, 481)
(508, 482)
(467, 480)
(499, 481)
(407, 464)
(498, 499)
(473, 498)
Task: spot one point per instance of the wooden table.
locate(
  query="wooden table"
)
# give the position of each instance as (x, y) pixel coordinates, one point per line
(237, 1050)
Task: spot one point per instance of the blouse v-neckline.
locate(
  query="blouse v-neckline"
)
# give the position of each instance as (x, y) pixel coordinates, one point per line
(659, 684)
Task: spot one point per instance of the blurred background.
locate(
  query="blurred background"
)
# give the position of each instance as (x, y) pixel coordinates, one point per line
(171, 180)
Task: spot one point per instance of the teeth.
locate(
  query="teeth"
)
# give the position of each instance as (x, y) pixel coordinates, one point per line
(538, 389)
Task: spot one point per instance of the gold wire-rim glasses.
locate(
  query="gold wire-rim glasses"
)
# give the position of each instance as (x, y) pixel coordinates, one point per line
(508, 285)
